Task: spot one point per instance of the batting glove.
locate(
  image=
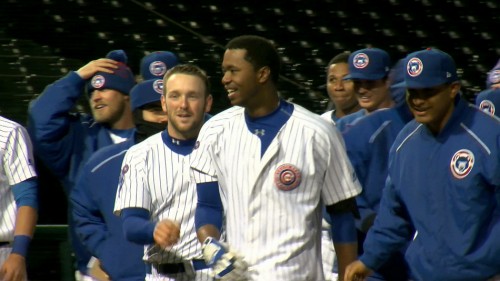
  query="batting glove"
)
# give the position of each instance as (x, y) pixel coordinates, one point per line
(226, 265)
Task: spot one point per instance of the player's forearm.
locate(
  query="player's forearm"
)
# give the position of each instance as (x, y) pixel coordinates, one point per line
(26, 221)
(346, 253)
(208, 231)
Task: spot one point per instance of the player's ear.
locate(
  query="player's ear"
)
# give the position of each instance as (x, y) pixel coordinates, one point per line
(455, 89)
(163, 103)
(208, 103)
(264, 74)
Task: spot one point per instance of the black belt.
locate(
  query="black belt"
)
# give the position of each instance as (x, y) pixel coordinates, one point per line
(4, 243)
(173, 268)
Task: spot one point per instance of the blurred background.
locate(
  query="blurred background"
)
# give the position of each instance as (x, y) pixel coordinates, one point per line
(42, 40)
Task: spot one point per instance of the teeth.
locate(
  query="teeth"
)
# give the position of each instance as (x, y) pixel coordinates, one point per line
(231, 91)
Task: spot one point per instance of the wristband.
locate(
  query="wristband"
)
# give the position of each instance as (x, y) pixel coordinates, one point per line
(21, 244)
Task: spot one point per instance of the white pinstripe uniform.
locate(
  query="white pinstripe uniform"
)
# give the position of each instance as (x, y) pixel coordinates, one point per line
(275, 230)
(16, 153)
(158, 180)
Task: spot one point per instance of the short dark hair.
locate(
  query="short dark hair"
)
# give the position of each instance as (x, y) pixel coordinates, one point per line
(260, 52)
(339, 58)
(189, 69)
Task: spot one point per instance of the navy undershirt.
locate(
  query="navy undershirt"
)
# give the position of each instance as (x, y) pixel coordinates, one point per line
(267, 127)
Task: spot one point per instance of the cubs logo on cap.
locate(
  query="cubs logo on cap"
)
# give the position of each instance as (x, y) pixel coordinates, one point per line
(158, 86)
(360, 60)
(98, 81)
(287, 177)
(487, 106)
(494, 76)
(158, 68)
(414, 67)
(462, 163)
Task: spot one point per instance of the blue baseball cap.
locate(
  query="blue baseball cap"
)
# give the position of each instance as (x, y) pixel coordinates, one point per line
(146, 92)
(493, 75)
(429, 68)
(368, 64)
(488, 100)
(156, 64)
(122, 79)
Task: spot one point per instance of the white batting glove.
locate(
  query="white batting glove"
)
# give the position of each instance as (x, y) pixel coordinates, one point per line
(225, 264)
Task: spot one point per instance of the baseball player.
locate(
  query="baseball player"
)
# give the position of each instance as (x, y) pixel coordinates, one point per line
(156, 64)
(156, 198)
(263, 168)
(489, 99)
(444, 182)
(18, 199)
(369, 69)
(64, 141)
(94, 194)
(340, 91)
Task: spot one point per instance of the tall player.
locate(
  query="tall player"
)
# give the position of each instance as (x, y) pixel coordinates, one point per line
(156, 197)
(64, 141)
(94, 195)
(264, 167)
(444, 182)
(18, 200)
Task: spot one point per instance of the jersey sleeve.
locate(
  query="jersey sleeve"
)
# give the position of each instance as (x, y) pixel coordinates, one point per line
(133, 189)
(18, 156)
(340, 181)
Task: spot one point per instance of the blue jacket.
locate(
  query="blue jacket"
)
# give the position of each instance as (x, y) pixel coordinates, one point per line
(447, 187)
(64, 141)
(349, 120)
(99, 229)
(368, 142)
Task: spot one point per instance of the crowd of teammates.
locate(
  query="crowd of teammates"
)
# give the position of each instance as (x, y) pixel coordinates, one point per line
(400, 181)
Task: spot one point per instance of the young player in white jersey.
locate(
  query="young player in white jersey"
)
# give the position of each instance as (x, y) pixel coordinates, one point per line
(263, 169)
(18, 199)
(156, 198)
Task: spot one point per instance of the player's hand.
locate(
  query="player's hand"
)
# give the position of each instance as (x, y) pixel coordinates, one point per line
(226, 265)
(356, 271)
(167, 233)
(103, 65)
(14, 268)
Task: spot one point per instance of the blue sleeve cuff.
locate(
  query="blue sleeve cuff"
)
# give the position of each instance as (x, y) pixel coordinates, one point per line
(209, 209)
(343, 228)
(26, 193)
(21, 244)
(136, 226)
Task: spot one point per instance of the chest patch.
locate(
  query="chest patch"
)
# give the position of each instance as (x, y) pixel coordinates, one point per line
(461, 163)
(287, 177)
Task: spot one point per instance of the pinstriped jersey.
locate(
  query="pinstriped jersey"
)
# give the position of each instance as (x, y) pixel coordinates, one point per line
(272, 203)
(157, 178)
(16, 154)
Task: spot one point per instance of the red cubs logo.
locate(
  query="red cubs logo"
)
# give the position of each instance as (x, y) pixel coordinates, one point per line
(98, 81)
(287, 177)
(488, 107)
(360, 60)
(158, 86)
(414, 67)
(158, 68)
(462, 163)
(494, 76)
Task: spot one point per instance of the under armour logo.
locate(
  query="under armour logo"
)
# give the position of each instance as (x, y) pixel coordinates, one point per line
(260, 132)
(177, 142)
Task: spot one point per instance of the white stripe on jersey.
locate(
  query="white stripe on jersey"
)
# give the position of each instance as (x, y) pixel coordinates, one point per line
(278, 232)
(158, 180)
(17, 161)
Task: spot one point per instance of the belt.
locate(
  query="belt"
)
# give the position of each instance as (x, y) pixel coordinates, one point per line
(173, 268)
(4, 243)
